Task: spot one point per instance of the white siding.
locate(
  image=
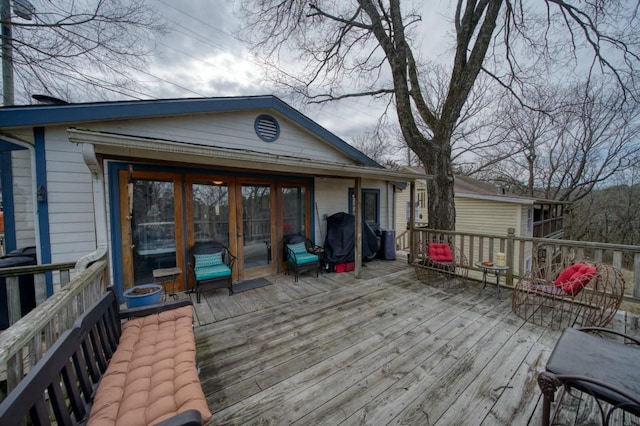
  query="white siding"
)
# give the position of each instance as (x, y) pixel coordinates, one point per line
(70, 195)
(331, 196)
(386, 215)
(229, 130)
(23, 198)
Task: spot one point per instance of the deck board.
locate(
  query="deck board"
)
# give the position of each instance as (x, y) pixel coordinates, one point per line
(383, 349)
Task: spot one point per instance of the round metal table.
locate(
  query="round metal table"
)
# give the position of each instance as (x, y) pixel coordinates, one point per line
(497, 270)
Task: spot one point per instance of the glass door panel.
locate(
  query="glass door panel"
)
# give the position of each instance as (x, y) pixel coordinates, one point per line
(211, 212)
(294, 210)
(256, 225)
(153, 228)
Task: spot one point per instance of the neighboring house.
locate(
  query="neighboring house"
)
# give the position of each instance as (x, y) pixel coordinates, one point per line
(484, 208)
(146, 179)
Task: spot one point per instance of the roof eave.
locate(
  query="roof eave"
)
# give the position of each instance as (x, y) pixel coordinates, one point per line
(235, 158)
(78, 114)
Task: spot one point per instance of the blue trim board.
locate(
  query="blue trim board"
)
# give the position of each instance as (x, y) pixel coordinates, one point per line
(8, 146)
(43, 206)
(7, 201)
(114, 214)
(76, 114)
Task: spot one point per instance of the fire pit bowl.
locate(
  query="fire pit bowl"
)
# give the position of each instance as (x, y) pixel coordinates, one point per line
(142, 295)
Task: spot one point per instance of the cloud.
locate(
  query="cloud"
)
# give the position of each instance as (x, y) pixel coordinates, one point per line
(202, 57)
(216, 74)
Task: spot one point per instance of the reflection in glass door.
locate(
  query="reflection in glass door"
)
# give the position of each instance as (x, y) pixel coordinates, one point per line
(211, 212)
(294, 210)
(256, 225)
(152, 228)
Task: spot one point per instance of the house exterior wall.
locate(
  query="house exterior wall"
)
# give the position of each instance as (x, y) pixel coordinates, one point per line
(492, 217)
(483, 216)
(70, 192)
(402, 201)
(385, 201)
(70, 195)
(23, 198)
(332, 196)
(233, 130)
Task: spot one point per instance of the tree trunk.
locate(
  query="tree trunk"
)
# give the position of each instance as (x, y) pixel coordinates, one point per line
(440, 192)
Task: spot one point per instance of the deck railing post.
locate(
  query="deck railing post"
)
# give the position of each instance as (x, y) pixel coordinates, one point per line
(636, 275)
(13, 299)
(412, 222)
(511, 235)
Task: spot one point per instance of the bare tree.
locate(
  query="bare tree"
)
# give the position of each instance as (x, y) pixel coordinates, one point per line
(74, 47)
(588, 140)
(611, 214)
(373, 45)
(373, 145)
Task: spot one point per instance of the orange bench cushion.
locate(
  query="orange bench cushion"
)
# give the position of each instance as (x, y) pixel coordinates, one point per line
(152, 376)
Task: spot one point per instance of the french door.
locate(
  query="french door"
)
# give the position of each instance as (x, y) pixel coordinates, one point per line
(162, 215)
(152, 235)
(237, 212)
(256, 227)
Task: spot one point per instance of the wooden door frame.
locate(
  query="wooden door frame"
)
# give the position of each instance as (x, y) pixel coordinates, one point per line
(270, 268)
(126, 236)
(200, 178)
(280, 258)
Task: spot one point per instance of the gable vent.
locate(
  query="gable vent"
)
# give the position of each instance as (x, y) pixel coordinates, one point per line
(267, 128)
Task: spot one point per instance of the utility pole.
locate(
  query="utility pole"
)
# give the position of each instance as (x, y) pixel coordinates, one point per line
(7, 53)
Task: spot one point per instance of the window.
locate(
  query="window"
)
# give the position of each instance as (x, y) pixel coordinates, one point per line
(370, 206)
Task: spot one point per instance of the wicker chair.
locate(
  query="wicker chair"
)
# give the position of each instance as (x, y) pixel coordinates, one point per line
(558, 296)
(442, 259)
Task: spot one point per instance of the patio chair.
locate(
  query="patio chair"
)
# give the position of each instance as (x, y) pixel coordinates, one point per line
(558, 296)
(301, 255)
(211, 264)
(606, 369)
(441, 258)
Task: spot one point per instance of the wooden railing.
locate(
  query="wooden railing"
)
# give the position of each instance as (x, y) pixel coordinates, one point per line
(38, 274)
(27, 340)
(548, 227)
(524, 254)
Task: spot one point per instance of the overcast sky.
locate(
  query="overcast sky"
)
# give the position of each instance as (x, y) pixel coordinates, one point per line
(202, 57)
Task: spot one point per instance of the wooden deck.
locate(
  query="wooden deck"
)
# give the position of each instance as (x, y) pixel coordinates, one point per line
(384, 349)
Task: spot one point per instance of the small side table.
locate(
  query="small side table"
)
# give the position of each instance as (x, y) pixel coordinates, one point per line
(497, 270)
(167, 275)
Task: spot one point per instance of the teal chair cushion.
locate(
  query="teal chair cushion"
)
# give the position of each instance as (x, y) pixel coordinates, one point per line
(304, 258)
(211, 272)
(298, 248)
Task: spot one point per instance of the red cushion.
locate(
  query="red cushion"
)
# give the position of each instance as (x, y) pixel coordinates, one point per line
(440, 252)
(575, 277)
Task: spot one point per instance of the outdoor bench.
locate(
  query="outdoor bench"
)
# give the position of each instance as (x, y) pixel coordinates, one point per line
(104, 371)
